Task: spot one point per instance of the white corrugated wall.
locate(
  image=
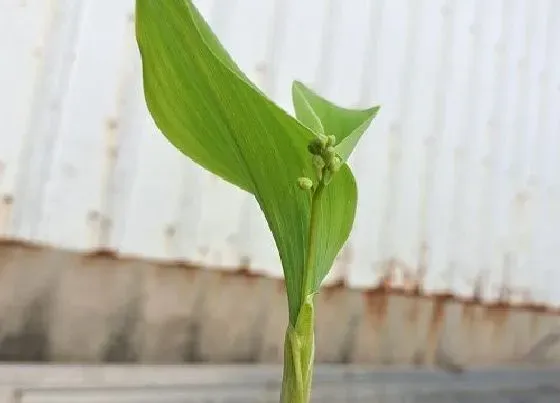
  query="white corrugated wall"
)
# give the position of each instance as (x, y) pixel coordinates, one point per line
(459, 177)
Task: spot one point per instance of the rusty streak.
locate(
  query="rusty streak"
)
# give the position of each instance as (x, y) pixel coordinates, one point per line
(376, 297)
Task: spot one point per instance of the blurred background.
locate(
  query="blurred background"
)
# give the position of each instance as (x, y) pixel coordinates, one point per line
(114, 248)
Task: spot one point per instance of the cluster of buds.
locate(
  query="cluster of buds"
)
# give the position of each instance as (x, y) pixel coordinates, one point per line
(325, 161)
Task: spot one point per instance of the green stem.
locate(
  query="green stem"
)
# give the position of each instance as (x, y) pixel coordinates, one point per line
(309, 270)
(299, 347)
(299, 344)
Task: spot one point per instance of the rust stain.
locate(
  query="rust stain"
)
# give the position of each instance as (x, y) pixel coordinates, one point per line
(376, 302)
(412, 280)
(376, 297)
(387, 286)
(498, 312)
(332, 289)
(418, 279)
(244, 270)
(102, 253)
(179, 264)
(9, 242)
(439, 303)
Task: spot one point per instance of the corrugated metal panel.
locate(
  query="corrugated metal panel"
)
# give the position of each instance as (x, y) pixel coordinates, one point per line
(458, 178)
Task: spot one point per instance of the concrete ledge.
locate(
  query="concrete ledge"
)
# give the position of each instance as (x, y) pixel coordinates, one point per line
(252, 383)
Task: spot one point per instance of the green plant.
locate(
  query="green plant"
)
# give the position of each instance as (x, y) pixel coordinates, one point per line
(295, 167)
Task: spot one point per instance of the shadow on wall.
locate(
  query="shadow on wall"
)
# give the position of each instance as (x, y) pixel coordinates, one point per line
(68, 307)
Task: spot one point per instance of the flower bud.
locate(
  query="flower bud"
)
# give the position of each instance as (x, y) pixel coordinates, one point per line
(317, 146)
(328, 154)
(305, 183)
(318, 161)
(331, 140)
(334, 164)
(319, 164)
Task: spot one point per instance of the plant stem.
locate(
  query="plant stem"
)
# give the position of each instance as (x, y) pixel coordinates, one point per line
(309, 269)
(299, 343)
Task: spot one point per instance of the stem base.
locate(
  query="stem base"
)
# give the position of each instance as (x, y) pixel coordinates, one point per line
(299, 347)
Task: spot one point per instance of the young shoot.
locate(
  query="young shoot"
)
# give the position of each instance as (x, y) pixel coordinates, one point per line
(208, 109)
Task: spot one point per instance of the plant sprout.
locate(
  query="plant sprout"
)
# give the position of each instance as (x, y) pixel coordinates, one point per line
(294, 167)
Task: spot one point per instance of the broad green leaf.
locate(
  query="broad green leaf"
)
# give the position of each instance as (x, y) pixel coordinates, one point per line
(210, 111)
(324, 117)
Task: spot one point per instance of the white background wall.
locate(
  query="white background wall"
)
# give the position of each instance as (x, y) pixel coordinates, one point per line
(459, 180)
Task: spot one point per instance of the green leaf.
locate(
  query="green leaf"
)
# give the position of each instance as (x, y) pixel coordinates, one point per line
(324, 117)
(336, 216)
(304, 111)
(210, 111)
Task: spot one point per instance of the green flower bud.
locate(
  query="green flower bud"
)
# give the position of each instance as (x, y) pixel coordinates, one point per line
(305, 183)
(318, 161)
(331, 140)
(334, 164)
(317, 146)
(319, 164)
(328, 154)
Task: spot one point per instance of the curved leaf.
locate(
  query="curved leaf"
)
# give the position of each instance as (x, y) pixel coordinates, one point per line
(324, 117)
(337, 206)
(304, 110)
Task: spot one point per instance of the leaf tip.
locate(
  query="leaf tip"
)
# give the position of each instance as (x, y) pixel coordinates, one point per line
(297, 84)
